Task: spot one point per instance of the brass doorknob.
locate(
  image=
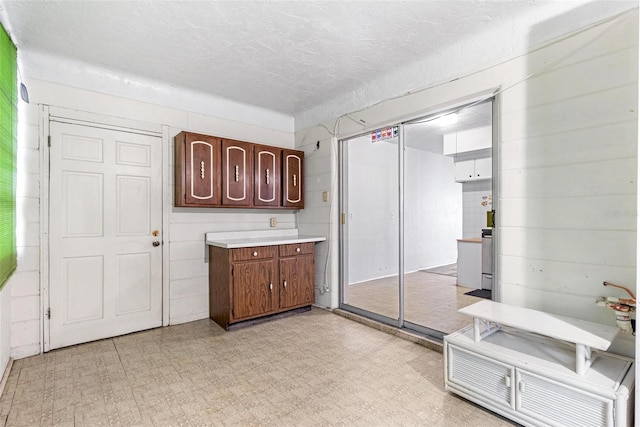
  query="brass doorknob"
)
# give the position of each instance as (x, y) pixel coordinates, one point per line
(156, 243)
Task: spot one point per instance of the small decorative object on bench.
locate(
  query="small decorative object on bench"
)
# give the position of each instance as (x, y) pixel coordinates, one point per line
(625, 308)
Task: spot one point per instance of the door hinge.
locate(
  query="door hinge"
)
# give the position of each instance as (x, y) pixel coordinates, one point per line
(49, 140)
(49, 313)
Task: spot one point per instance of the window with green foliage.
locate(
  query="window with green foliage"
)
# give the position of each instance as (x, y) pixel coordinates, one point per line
(8, 136)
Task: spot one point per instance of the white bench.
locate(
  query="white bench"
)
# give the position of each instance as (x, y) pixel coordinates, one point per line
(488, 316)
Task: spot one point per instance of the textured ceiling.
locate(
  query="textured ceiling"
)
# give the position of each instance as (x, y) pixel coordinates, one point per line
(281, 55)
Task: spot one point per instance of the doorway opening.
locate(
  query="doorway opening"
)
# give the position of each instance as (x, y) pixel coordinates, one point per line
(417, 198)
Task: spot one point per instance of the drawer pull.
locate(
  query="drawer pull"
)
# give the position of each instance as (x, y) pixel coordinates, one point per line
(285, 284)
(202, 170)
(267, 176)
(237, 173)
(255, 253)
(270, 287)
(297, 249)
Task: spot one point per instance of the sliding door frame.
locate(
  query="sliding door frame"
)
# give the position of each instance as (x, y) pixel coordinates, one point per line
(400, 322)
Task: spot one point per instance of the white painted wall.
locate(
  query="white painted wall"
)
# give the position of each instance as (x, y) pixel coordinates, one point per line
(188, 261)
(433, 205)
(567, 159)
(433, 210)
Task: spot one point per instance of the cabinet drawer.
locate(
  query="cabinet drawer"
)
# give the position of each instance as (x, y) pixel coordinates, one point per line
(297, 249)
(256, 252)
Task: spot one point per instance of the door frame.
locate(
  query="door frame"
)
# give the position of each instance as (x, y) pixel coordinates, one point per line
(494, 97)
(47, 114)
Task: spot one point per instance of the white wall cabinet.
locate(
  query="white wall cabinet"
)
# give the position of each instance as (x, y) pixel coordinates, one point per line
(467, 141)
(473, 170)
(532, 380)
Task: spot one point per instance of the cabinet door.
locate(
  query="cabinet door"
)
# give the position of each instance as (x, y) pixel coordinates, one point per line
(237, 165)
(254, 289)
(473, 139)
(484, 377)
(297, 281)
(483, 168)
(197, 170)
(556, 404)
(292, 186)
(267, 170)
(464, 171)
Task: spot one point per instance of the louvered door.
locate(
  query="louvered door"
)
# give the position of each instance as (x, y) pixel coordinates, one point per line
(489, 378)
(560, 405)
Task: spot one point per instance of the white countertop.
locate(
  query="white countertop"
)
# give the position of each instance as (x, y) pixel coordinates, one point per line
(243, 239)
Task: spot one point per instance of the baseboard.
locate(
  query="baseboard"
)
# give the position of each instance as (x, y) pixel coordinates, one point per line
(5, 376)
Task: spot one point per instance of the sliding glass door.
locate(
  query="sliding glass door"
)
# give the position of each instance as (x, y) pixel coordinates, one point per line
(412, 217)
(371, 226)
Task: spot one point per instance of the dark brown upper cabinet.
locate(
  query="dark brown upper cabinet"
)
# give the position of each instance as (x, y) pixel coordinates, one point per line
(267, 172)
(237, 166)
(214, 172)
(197, 170)
(292, 170)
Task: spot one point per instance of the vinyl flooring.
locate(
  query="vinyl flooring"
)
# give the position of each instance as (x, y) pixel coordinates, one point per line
(311, 369)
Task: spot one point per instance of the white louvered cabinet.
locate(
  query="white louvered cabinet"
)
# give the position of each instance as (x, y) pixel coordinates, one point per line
(532, 380)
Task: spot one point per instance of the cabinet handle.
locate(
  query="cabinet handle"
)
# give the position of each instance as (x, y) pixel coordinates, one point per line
(285, 284)
(507, 380)
(270, 287)
(237, 173)
(255, 254)
(521, 386)
(295, 181)
(267, 173)
(202, 170)
(297, 249)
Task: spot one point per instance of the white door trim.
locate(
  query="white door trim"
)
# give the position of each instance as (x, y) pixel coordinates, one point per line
(60, 114)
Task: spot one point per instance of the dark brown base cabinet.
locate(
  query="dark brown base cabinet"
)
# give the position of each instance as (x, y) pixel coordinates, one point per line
(248, 283)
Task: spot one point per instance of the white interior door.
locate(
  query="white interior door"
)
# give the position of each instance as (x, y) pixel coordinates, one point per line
(105, 216)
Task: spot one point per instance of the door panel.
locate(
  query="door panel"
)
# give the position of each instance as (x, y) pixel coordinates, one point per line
(254, 290)
(297, 281)
(105, 201)
(236, 173)
(292, 175)
(267, 176)
(371, 224)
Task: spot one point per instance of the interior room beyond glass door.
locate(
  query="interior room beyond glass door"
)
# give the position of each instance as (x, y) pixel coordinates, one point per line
(371, 228)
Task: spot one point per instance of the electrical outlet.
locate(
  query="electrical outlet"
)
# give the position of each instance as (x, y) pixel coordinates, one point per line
(325, 196)
(273, 222)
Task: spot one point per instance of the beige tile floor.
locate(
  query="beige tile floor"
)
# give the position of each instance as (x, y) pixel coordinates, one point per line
(431, 300)
(314, 368)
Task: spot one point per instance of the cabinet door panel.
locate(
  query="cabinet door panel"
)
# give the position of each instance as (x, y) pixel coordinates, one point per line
(197, 170)
(254, 289)
(236, 173)
(464, 171)
(293, 196)
(297, 281)
(484, 376)
(267, 170)
(556, 404)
